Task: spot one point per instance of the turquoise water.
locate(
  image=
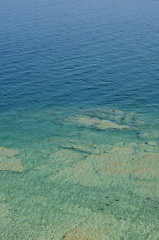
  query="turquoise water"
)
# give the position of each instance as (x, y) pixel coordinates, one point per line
(79, 120)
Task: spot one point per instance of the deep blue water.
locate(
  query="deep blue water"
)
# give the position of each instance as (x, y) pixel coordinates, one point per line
(78, 53)
(65, 67)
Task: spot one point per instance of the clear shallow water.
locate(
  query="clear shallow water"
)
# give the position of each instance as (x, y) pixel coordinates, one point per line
(67, 68)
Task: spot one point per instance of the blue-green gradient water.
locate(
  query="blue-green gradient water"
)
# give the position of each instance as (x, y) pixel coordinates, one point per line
(79, 120)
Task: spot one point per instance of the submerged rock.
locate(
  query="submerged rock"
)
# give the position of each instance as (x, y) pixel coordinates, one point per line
(66, 156)
(98, 123)
(80, 173)
(93, 169)
(151, 143)
(118, 116)
(115, 161)
(4, 214)
(13, 165)
(146, 165)
(7, 152)
(123, 161)
(9, 161)
(86, 234)
(147, 147)
(66, 143)
(149, 135)
(115, 154)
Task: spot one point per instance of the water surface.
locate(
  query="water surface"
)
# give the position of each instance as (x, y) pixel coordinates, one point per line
(79, 120)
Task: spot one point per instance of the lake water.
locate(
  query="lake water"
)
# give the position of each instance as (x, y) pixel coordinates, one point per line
(79, 120)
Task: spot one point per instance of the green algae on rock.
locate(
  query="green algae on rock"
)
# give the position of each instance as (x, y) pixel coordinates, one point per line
(9, 161)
